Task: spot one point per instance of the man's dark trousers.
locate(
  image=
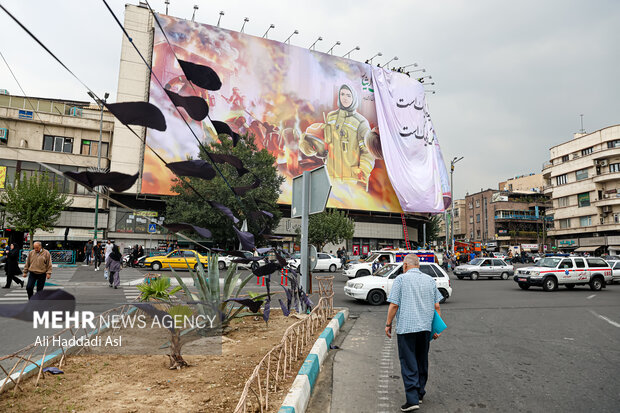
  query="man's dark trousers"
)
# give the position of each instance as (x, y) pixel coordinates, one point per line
(413, 355)
(35, 278)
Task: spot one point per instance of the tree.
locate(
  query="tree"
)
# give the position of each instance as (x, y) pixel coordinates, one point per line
(34, 202)
(186, 206)
(331, 226)
(432, 228)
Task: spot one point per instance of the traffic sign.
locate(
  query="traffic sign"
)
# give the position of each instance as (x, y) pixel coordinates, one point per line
(319, 189)
(152, 228)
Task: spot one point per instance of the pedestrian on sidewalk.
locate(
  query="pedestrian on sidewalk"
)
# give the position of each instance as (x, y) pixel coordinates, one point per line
(113, 265)
(108, 251)
(88, 251)
(413, 300)
(11, 267)
(38, 268)
(97, 254)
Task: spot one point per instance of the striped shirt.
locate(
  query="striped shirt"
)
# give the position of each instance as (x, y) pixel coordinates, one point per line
(415, 294)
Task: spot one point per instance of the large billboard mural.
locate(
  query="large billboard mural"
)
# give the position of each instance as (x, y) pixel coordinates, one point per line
(307, 108)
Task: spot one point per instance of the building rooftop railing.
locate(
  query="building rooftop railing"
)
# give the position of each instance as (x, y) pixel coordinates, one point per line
(64, 108)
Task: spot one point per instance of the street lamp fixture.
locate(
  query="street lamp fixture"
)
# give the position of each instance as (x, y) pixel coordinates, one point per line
(245, 20)
(219, 19)
(288, 39)
(412, 64)
(167, 4)
(369, 61)
(194, 13)
(271, 26)
(392, 59)
(330, 51)
(312, 47)
(348, 54)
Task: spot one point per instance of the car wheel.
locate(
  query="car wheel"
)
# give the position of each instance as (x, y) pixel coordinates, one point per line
(474, 276)
(445, 295)
(596, 284)
(460, 277)
(504, 276)
(156, 266)
(524, 286)
(376, 297)
(569, 286)
(550, 284)
(362, 273)
(332, 268)
(221, 265)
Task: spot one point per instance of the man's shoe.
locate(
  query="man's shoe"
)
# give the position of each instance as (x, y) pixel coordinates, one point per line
(6, 287)
(409, 407)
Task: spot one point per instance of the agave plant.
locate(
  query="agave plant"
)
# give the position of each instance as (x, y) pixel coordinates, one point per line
(211, 300)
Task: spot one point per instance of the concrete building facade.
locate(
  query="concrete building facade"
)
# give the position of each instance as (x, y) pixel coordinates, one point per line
(582, 178)
(460, 223)
(524, 183)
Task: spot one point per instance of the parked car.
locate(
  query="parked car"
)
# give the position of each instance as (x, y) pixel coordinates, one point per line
(550, 272)
(375, 289)
(615, 270)
(499, 255)
(325, 262)
(484, 267)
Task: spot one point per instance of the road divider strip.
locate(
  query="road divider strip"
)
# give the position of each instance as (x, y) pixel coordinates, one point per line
(296, 401)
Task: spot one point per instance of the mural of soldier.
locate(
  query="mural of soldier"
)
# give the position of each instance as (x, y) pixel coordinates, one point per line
(343, 141)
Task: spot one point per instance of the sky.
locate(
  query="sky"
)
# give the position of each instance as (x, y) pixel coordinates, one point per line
(511, 78)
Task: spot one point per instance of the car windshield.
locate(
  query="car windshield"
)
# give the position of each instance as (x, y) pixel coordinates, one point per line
(372, 257)
(385, 270)
(550, 262)
(476, 261)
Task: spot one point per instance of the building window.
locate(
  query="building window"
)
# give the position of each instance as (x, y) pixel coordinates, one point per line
(90, 148)
(582, 174)
(614, 167)
(587, 151)
(471, 220)
(583, 200)
(477, 217)
(471, 206)
(57, 144)
(477, 203)
(565, 223)
(613, 144)
(585, 221)
(616, 218)
(478, 234)
(471, 234)
(560, 179)
(565, 158)
(456, 213)
(563, 202)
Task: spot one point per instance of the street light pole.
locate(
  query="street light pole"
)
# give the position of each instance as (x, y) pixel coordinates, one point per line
(455, 160)
(101, 104)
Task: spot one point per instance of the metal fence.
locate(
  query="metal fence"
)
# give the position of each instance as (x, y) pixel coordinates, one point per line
(279, 362)
(58, 256)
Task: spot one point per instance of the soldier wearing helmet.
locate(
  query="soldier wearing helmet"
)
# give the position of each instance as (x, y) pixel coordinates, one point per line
(344, 141)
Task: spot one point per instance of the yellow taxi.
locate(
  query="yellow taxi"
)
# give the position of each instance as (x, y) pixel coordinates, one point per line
(176, 259)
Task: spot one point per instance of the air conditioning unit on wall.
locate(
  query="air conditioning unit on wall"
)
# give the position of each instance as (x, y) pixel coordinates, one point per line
(607, 208)
(603, 162)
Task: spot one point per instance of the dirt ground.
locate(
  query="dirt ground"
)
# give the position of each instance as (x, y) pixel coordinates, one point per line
(140, 383)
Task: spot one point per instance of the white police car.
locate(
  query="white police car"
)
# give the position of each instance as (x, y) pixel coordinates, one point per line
(550, 272)
(376, 288)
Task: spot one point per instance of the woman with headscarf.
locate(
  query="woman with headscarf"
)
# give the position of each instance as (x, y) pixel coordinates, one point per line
(113, 265)
(11, 267)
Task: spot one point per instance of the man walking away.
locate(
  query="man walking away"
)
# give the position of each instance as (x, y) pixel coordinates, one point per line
(38, 268)
(108, 250)
(413, 300)
(113, 265)
(97, 252)
(88, 251)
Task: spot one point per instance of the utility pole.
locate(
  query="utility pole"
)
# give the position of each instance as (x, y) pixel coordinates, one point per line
(455, 160)
(101, 104)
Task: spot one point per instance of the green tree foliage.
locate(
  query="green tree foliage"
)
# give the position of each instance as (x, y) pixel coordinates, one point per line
(432, 228)
(331, 226)
(189, 207)
(34, 202)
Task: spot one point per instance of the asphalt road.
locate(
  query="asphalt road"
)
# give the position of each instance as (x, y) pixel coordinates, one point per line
(505, 350)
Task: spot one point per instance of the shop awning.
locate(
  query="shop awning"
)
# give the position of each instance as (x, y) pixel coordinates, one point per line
(587, 249)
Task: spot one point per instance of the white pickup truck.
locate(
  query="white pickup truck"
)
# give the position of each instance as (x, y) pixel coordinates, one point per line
(550, 272)
(372, 263)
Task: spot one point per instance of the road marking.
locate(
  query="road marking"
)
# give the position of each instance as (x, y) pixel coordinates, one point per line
(591, 296)
(602, 317)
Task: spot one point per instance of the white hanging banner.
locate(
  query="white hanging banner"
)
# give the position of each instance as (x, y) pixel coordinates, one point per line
(411, 151)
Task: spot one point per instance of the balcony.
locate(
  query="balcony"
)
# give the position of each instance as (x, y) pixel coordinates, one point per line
(521, 217)
(607, 176)
(547, 165)
(606, 201)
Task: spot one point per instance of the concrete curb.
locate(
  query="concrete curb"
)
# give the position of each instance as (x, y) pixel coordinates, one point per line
(296, 401)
